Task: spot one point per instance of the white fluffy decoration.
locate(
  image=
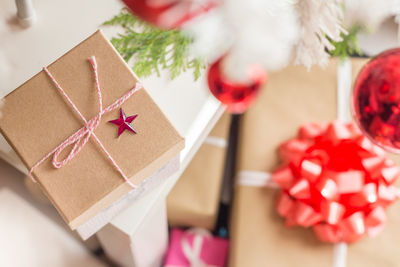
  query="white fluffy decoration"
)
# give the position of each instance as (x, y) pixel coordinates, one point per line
(369, 14)
(211, 38)
(261, 32)
(267, 33)
(318, 20)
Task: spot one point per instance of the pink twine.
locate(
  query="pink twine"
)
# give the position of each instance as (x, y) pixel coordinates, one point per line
(80, 137)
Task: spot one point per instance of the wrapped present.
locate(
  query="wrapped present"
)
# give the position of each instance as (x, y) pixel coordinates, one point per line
(336, 181)
(193, 202)
(259, 236)
(31, 239)
(88, 133)
(196, 247)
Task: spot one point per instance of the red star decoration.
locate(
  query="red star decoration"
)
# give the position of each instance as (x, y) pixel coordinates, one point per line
(124, 122)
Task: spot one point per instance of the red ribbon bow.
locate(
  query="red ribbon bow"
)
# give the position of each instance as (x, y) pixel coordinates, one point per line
(335, 180)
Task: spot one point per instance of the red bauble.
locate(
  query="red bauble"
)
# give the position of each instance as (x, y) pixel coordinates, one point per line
(376, 100)
(236, 96)
(169, 14)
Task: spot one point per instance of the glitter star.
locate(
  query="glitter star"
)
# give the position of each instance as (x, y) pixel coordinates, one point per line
(124, 123)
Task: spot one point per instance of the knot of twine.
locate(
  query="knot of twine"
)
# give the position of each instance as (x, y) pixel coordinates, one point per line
(81, 137)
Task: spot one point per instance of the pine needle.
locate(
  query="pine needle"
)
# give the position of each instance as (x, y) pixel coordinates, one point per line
(348, 46)
(152, 49)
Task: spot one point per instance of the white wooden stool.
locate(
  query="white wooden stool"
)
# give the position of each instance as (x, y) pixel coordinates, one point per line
(138, 235)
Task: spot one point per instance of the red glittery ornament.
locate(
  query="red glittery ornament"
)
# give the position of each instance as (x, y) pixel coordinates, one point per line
(236, 96)
(169, 14)
(376, 100)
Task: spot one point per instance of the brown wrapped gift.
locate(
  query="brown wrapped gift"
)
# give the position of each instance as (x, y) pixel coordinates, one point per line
(194, 199)
(37, 118)
(259, 236)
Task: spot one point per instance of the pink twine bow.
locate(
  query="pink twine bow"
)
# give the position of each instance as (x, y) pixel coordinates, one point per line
(81, 137)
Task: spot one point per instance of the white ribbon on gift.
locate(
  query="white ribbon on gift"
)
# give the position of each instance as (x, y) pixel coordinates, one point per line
(256, 179)
(264, 179)
(192, 252)
(216, 141)
(344, 75)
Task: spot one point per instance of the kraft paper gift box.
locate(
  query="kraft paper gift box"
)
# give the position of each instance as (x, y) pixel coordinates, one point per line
(259, 236)
(37, 118)
(193, 202)
(28, 238)
(196, 247)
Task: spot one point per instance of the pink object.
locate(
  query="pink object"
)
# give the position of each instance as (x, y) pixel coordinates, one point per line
(124, 123)
(80, 137)
(196, 247)
(169, 14)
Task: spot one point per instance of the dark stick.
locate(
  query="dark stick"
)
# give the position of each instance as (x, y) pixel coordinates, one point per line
(222, 226)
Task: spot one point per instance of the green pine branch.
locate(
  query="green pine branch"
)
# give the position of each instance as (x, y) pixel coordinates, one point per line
(152, 49)
(348, 46)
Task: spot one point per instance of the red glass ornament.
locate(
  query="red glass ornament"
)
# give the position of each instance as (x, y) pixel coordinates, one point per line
(376, 100)
(236, 96)
(169, 14)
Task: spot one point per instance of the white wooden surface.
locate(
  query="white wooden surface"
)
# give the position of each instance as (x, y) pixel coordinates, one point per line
(25, 12)
(39, 242)
(12, 179)
(60, 26)
(146, 247)
(384, 38)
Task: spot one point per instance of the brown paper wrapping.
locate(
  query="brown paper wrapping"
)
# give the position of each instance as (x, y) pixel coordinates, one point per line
(36, 119)
(194, 199)
(259, 237)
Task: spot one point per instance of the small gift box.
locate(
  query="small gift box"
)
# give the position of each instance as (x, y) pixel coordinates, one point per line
(193, 202)
(196, 247)
(259, 236)
(88, 132)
